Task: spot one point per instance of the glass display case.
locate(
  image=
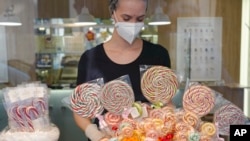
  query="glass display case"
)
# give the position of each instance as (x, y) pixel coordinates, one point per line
(60, 43)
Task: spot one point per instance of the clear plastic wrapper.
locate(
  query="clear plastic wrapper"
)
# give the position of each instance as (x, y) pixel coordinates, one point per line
(27, 108)
(85, 100)
(117, 95)
(159, 84)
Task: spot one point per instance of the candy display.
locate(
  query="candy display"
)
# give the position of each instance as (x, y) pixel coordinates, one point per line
(227, 115)
(158, 120)
(159, 84)
(166, 123)
(198, 99)
(85, 100)
(174, 126)
(116, 96)
(28, 116)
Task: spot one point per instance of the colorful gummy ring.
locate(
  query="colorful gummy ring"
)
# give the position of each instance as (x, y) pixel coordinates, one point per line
(159, 84)
(85, 100)
(117, 95)
(198, 99)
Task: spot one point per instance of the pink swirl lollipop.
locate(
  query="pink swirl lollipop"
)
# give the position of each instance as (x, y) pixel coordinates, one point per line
(180, 136)
(198, 99)
(117, 95)
(126, 129)
(152, 134)
(182, 126)
(112, 120)
(170, 120)
(157, 113)
(85, 100)
(159, 84)
(227, 115)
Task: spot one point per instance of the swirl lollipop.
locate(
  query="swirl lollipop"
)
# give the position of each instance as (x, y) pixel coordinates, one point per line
(191, 119)
(198, 99)
(159, 84)
(85, 100)
(227, 115)
(113, 120)
(116, 96)
(208, 128)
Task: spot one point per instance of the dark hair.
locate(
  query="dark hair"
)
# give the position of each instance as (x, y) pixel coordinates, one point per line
(113, 5)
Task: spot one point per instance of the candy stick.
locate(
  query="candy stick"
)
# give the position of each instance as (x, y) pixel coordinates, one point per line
(103, 125)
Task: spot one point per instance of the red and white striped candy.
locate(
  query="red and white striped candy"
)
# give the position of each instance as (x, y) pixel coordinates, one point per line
(116, 96)
(198, 99)
(85, 100)
(159, 84)
(227, 115)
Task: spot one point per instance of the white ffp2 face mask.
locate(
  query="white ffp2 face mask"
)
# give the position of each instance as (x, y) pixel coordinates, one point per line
(128, 31)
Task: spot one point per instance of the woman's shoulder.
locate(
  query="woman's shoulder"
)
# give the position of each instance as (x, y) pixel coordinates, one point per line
(94, 50)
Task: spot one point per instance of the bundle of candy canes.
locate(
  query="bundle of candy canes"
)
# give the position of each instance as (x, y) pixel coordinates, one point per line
(27, 107)
(158, 120)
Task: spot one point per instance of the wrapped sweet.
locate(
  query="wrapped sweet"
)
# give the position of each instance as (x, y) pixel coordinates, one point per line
(28, 115)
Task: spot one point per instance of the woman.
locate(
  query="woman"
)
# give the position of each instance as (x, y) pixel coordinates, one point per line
(121, 55)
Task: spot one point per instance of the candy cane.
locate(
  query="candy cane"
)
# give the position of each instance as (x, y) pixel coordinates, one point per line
(26, 118)
(13, 114)
(41, 103)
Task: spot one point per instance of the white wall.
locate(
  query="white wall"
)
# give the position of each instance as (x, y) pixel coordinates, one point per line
(245, 54)
(20, 40)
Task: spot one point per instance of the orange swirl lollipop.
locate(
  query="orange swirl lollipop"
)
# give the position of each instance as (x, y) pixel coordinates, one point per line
(156, 113)
(85, 100)
(159, 84)
(191, 119)
(117, 95)
(198, 99)
(184, 127)
(227, 115)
